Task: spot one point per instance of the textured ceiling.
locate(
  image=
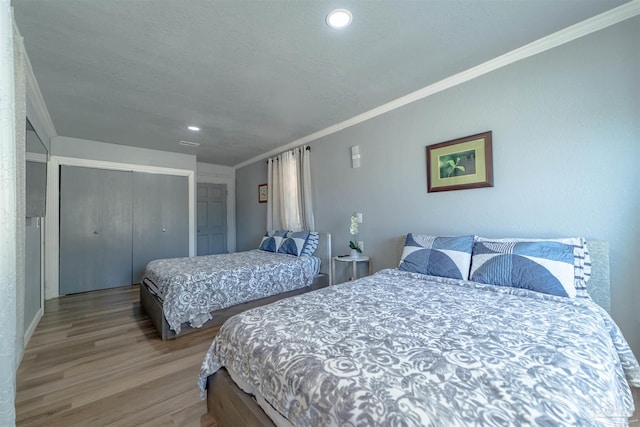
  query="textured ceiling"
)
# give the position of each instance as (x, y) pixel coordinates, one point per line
(256, 75)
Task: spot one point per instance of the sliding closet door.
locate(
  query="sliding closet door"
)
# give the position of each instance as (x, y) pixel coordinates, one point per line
(95, 229)
(160, 219)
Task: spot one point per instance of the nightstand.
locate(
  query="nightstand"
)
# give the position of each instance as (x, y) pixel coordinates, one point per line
(354, 265)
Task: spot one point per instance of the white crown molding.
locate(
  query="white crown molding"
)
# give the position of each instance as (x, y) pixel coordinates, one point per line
(566, 35)
(35, 101)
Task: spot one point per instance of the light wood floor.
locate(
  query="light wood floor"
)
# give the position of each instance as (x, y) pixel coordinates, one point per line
(96, 360)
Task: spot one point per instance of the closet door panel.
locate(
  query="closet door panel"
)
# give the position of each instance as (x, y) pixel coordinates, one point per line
(116, 220)
(95, 229)
(147, 207)
(175, 216)
(160, 219)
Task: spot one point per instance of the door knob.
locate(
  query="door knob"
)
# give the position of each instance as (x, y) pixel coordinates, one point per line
(164, 229)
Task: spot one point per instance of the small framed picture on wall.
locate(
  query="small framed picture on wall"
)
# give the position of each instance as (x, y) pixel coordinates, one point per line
(262, 193)
(460, 163)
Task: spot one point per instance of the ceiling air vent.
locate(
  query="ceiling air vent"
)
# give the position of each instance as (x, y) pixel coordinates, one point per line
(189, 143)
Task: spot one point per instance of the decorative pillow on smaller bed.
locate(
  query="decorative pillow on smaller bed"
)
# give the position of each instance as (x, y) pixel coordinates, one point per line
(272, 240)
(293, 243)
(437, 256)
(311, 245)
(545, 266)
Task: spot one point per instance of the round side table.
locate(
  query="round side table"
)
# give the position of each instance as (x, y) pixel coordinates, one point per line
(354, 265)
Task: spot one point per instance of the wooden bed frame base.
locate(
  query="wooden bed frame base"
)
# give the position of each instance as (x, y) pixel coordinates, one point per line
(153, 307)
(231, 406)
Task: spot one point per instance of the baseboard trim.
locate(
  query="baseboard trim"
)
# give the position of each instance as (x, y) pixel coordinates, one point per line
(32, 327)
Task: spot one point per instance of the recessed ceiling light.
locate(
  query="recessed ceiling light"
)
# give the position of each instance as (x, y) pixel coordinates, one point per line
(193, 128)
(339, 18)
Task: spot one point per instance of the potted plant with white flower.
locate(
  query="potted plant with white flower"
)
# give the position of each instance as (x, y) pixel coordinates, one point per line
(353, 229)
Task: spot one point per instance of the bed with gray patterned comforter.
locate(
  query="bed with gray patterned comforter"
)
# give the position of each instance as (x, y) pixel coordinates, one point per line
(400, 348)
(190, 288)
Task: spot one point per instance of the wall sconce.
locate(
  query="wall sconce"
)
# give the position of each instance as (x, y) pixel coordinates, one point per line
(355, 156)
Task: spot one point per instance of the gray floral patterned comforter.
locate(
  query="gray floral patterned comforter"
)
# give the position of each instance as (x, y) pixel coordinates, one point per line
(192, 287)
(404, 349)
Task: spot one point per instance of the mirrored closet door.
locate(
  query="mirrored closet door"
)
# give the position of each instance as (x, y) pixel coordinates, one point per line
(35, 194)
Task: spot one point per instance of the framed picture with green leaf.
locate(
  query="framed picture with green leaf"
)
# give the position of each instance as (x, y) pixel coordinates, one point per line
(460, 163)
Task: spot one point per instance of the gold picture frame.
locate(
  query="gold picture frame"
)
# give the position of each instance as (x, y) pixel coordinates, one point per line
(263, 196)
(460, 163)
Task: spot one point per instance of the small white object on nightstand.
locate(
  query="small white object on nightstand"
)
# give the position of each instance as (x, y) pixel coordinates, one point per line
(354, 265)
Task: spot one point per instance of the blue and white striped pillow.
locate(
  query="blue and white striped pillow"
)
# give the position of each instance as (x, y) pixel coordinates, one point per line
(552, 266)
(272, 240)
(437, 256)
(311, 245)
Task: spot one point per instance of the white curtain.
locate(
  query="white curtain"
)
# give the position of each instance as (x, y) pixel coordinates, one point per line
(8, 218)
(289, 204)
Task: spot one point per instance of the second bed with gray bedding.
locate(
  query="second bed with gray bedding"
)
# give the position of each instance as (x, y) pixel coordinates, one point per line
(191, 288)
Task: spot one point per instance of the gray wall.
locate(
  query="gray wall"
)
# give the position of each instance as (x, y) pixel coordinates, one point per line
(96, 150)
(566, 142)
